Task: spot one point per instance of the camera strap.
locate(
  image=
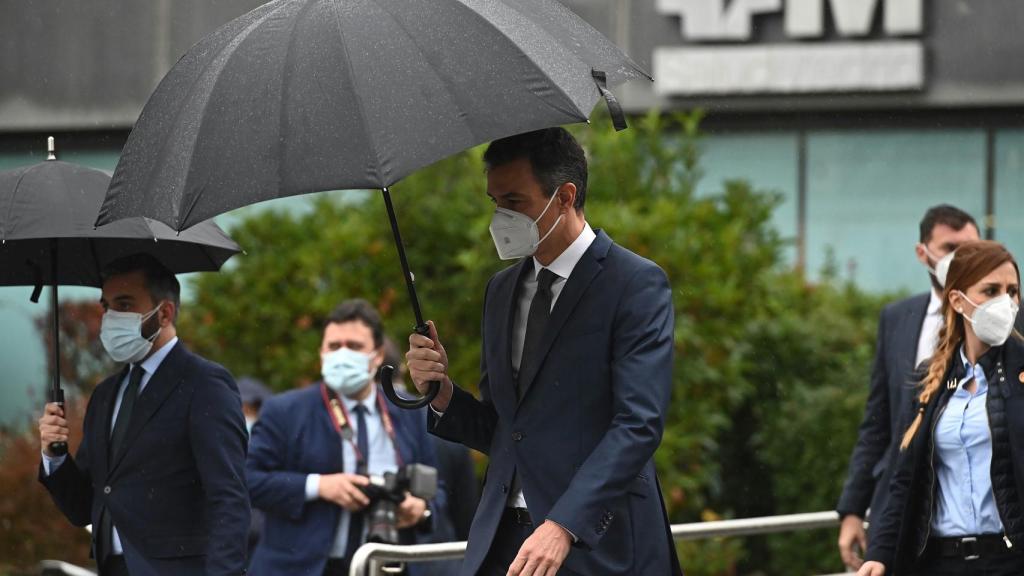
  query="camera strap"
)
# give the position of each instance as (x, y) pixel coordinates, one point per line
(343, 423)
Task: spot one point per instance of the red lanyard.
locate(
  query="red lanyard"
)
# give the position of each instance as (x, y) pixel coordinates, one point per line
(343, 423)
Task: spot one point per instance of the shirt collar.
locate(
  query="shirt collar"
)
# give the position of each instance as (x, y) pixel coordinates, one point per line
(934, 304)
(567, 260)
(977, 371)
(370, 402)
(156, 358)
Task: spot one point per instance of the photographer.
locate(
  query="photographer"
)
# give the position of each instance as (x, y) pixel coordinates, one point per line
(313, 451)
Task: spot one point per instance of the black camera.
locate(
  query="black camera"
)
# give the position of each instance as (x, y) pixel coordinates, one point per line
(388, 491)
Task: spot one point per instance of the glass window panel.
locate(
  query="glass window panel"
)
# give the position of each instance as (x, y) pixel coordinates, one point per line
(1009, 201)
(867, 192)
(766, 160)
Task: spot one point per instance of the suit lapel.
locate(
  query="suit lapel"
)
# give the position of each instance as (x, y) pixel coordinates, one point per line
(164, 381)
(101, 434)
(579, 280)
(402, 435)
(913, 324)
(507, 297)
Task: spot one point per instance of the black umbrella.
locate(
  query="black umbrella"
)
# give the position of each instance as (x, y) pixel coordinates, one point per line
(302, 96)
(47, 236)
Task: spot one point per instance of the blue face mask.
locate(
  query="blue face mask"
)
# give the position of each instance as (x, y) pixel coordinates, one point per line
(345, 370)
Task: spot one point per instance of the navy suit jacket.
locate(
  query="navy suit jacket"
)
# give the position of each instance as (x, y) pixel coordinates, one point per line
(894, 384)
(293, 438)
(176, 491)
(584, 434)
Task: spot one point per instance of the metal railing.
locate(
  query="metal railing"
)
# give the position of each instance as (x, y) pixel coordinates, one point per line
(371, 559)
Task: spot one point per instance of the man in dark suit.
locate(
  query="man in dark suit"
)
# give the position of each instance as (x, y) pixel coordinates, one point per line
(160, 470)
(312, 448)
(576, 375)
(907, 334)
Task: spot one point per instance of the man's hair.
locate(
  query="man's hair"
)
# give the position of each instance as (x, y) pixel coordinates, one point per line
(945, 214)
(361, 310)
(554, 155)
(160, 282)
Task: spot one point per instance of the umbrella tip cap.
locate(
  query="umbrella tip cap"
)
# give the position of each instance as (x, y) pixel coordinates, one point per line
(51, 149)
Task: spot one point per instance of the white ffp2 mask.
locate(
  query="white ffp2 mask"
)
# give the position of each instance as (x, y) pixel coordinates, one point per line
(993, 320)
(121, 335)
(515, 234)
(941, 269)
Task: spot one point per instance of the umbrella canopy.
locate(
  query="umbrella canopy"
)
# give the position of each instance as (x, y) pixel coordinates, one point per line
(301, 96)
(47, 237)
(47, 212)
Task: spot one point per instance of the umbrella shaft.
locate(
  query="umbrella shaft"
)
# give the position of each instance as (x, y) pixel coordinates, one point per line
(409, 280)
(55, 313)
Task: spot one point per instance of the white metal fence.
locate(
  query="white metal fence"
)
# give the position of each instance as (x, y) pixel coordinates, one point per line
(372, 559)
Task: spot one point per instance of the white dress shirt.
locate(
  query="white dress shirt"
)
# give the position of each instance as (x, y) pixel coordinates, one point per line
(149, 366)
(562, 267)
(929, 337)
(380, 460)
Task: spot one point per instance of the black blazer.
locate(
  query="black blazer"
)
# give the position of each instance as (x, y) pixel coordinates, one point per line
(176, 491)
(583, 437)
(892, 388)
(897, 536)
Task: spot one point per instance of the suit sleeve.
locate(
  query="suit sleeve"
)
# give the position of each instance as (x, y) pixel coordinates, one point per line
(427, 454)
(217, 432)
(467, 420)
(70, 485)
(886, 534)
(641, 384)
(873, 436)
(273, 488)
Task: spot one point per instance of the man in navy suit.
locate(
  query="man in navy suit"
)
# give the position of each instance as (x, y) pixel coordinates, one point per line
(312, 448)
(160, 470)
(576, 374)
(908, 331)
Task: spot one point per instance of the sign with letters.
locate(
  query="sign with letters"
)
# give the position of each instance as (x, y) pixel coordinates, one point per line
(830, 46)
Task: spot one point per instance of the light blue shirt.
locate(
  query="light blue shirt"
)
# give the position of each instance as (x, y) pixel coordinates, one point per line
(149, 366)
(965, 504)
(381, 459)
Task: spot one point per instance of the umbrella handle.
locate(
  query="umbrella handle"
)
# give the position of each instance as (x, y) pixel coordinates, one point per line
(421, 327)
(386, 372)
(58, 448)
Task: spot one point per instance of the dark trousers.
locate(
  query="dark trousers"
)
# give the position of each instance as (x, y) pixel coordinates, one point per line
(337, 567)
(512, 532)
(1011, 564)
(114, 566)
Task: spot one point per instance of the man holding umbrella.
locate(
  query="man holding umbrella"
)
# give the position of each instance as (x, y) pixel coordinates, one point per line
(160, 470)
(576, 373)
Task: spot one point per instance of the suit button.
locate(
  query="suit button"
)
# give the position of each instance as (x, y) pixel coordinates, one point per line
(517, 436)
(106, 489)
(504, 489)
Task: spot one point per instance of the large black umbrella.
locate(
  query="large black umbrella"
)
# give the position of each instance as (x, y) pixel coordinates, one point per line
(47, 235)
(302, 96)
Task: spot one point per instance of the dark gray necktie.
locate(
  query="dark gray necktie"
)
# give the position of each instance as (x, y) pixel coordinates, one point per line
(355, 525)
(124, 415)
(536, 321)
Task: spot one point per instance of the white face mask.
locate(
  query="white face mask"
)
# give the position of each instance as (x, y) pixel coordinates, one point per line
(121, 335)
(515, 235)
(345, 370)
(993, 320)
(941, 269)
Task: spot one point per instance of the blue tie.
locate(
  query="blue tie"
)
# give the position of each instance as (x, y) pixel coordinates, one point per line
(355, 526)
